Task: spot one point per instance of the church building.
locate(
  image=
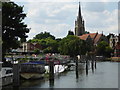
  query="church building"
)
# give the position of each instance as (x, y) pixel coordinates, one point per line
(79, 24)
(94, 38)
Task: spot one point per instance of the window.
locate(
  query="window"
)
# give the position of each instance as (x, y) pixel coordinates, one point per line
(8, 71)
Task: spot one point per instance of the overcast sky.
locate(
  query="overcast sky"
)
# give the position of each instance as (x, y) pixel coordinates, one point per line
(59, 17)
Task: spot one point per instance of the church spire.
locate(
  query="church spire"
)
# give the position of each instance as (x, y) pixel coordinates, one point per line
(79, 12)
(79, 24)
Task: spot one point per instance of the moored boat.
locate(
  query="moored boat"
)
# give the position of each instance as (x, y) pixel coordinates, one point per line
(6, 76)
(32, 70)
(57, 68)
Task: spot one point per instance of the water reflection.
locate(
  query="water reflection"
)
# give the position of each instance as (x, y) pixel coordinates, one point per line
(104, 76)
(51, 83)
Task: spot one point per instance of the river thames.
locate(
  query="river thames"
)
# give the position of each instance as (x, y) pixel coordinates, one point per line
(104, 76)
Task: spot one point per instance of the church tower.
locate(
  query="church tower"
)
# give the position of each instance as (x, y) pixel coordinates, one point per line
(79, 24)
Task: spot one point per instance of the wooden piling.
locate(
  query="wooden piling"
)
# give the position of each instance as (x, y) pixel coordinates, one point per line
(86, 67)
(95, 64)
(51, 83)
(51, 71)
(16, 75)
(76, 68)
(92, 65)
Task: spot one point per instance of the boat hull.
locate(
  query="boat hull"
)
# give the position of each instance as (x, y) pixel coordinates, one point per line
(32, 75)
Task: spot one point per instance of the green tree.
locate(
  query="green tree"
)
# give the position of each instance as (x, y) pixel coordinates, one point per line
(101, 47)
(44, 35)
(49, 45)
(108, 51)
(104, 49)
(36, 51)
(72, 45)
(13, 26)
(70, 32)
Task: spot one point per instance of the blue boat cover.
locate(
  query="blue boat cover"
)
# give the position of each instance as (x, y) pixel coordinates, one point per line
(35, 62)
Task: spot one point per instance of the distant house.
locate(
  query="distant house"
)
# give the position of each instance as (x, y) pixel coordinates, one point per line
(93, 38)
(30, 47)
(27, 47)
(114, 43)
(87, 38)
(117, 50)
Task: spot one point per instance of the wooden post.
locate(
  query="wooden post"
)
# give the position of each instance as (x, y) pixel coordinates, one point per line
(16, 75)
(95, 64)
(86, 67)
(76, 68)
(51, 71)
(51, 83)
(92, 64)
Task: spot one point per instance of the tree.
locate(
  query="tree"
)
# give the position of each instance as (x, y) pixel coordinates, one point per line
(44, 35)
(72, 45)
(104, 49)
(101, 47)
(108, 51)
(70, 32)
(13, 27)
(51, 46)
(86, 32)
(36, 51)
(48, 44)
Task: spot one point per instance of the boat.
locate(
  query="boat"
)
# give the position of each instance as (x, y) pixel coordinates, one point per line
(57, 68)
(57, 60)
(32, 70)
(6, 76)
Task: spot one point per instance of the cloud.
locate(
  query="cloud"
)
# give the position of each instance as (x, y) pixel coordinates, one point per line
(95, 6)
(59, 17)
(106, 21)
(103, 20)
(58, 30)
(65, 0)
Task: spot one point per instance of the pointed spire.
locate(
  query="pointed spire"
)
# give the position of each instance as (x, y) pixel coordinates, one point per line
(79, 12)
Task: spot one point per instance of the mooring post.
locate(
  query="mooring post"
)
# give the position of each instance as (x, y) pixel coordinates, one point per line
(76, 67)
(51, 71)
(16, 75)
(95, 64)
(86, 67)
(92, 64)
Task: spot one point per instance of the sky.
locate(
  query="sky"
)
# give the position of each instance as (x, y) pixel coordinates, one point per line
(58, 17)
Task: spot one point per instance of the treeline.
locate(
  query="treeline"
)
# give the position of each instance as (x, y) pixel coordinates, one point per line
(69, 45)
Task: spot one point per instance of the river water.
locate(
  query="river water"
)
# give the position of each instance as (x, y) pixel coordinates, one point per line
(104, 76)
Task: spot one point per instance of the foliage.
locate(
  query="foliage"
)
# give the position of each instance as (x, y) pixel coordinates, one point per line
(48, 44)
(86, 32)
(72, 45)
(37, 51)
(44, 35)
(108, 51)
(12, 26)
(58, 39)
(70, 33)
(104, 49)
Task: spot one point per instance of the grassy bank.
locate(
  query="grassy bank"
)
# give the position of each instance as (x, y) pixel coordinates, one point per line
(115, 59)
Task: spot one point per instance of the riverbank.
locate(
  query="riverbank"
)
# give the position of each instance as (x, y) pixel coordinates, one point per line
(113, 59)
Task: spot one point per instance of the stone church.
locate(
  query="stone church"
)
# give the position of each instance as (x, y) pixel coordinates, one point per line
(93, 38)
(79, 24)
